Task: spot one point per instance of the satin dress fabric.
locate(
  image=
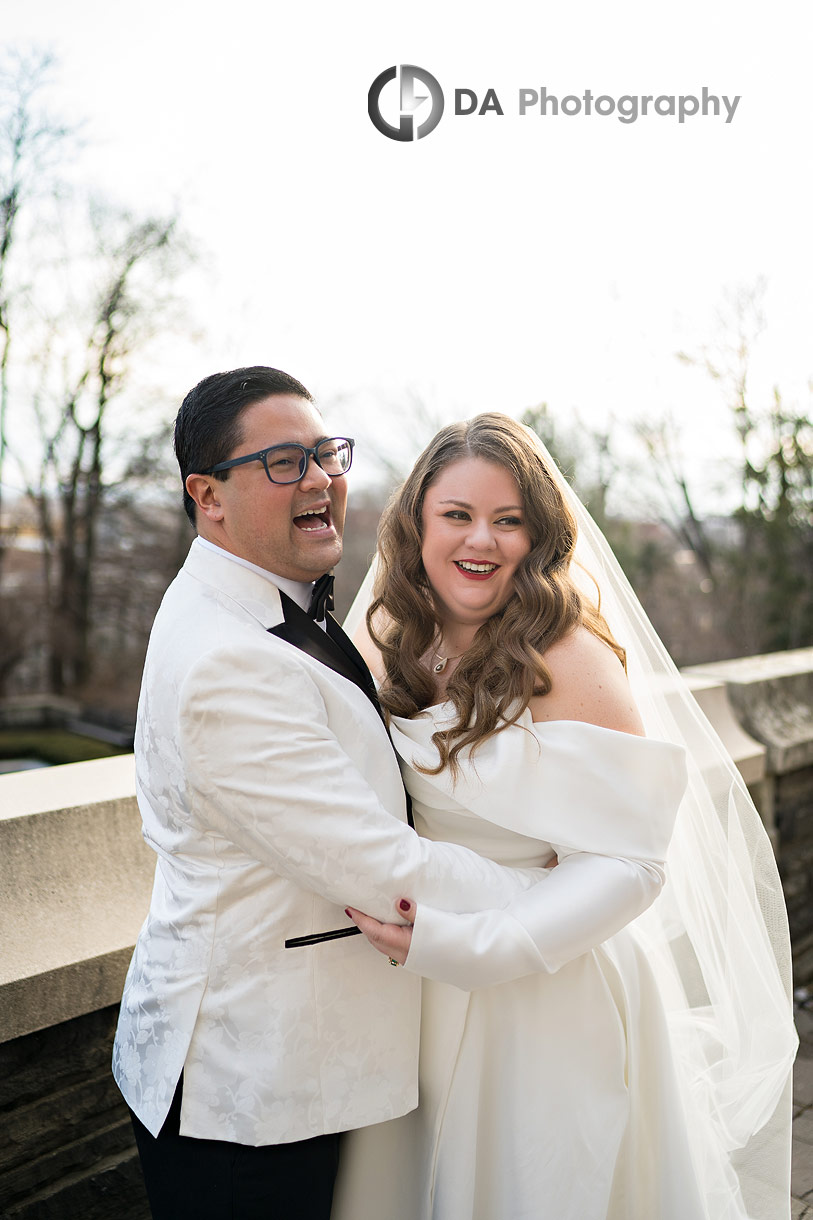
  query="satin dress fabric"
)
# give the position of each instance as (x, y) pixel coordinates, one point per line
(552, 1092)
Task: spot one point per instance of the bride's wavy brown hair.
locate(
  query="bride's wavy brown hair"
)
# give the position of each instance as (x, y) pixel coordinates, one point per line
(505, 666)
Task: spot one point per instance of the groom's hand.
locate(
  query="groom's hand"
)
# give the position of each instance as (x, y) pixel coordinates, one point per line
(391, 939)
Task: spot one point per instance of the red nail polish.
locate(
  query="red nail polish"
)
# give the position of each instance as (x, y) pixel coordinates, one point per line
(347, 913)
(404, 905)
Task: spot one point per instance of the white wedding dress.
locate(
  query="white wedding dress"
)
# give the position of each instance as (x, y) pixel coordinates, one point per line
(551, 1095)
(583, 1057)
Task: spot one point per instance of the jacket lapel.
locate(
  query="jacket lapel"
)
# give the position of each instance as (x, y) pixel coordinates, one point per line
(354, 657)
(331, 647)
(334, 649)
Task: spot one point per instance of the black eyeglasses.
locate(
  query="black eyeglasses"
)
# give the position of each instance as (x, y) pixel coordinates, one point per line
(287, 463)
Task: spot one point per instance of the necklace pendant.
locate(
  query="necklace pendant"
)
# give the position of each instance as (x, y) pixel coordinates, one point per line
(441, 665)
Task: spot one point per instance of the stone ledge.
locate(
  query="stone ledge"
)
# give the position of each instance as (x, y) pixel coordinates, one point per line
(75, 884)
(53, 996)
(76, 875)
(71, 786)
(712, 698)
(772, 698)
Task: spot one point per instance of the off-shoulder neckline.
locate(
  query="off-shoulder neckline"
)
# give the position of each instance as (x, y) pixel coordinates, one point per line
(525, 716)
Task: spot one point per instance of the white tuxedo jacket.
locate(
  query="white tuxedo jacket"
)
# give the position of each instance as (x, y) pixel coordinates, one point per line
(272, 797)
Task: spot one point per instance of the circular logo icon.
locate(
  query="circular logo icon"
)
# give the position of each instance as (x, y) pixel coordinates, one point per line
(408, 102)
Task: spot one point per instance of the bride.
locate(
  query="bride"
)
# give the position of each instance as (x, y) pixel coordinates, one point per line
(608, 1047)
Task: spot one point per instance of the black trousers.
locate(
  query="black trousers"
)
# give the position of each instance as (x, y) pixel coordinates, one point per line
(192, 1179)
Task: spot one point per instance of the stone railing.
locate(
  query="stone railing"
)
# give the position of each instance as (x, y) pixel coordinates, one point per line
(772, 700)
(75, 881)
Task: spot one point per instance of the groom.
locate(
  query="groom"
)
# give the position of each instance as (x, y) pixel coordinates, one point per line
(255, 1025)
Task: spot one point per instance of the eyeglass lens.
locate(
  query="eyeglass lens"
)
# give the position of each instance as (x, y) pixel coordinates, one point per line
(286, 464)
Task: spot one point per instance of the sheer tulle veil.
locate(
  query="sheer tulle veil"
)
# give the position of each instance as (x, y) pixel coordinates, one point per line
(717, 937)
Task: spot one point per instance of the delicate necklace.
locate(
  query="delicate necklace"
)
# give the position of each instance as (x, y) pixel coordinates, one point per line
(443, 662)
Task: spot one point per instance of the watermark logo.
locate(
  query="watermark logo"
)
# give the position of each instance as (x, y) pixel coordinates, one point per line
(406, 103)
(409, 102)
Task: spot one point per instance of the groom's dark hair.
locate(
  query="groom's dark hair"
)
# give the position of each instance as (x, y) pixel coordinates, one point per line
(208, 426)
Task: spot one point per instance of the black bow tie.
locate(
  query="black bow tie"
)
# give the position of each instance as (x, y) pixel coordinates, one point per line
(322, 597)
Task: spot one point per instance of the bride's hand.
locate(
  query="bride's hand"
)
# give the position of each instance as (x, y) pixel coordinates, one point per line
(391, 939)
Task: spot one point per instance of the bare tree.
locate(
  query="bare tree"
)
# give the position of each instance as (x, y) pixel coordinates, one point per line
(647, 536)
(85, 289)
(661, 440)
(31, 140)
(767, 569)
(79, 383)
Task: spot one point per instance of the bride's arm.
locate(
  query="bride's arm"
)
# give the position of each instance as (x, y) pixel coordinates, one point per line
(579, 905)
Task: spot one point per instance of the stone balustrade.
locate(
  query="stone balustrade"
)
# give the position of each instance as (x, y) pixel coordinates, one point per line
(75, 881)
(771, 697)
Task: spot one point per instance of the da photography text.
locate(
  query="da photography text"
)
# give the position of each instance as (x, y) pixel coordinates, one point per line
(406, 103)
(627, 109)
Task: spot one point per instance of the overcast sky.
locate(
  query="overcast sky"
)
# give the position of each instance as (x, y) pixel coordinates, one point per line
(499, 261)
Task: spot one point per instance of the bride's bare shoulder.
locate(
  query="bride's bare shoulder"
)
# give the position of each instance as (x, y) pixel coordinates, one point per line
(588, 683)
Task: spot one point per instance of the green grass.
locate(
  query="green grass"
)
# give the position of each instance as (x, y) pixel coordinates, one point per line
(53, 746)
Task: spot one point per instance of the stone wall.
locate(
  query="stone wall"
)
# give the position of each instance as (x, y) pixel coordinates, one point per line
(772, 699)
(75, 881)
(794, 814)
(66, 1143)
